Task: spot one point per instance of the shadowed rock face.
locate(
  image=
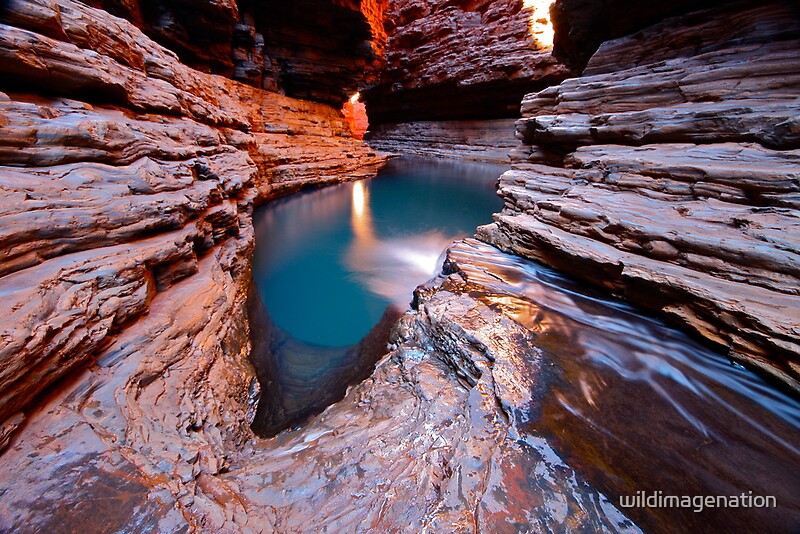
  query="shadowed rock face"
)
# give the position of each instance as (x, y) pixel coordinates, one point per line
(458, 60)
(270, 44)
(582, 25)
(668, 174)
(451, 61)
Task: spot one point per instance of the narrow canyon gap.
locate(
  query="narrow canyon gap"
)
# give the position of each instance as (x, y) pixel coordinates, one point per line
(626, 323)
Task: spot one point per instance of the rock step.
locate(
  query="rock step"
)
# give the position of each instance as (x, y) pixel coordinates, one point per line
(739, 243)
(722, 75)
(774, 124)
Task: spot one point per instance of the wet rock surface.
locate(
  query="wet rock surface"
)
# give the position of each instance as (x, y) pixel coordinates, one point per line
(124, 180)
(668, 174)
(431, 440)
(512, 399)
(632, 404)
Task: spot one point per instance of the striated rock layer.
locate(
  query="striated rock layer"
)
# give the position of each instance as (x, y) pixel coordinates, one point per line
(679, 184)
(511, 400)
(477, 140)
(134, 173)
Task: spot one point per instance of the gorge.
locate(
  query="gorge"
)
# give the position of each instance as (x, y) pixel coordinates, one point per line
(627, 321)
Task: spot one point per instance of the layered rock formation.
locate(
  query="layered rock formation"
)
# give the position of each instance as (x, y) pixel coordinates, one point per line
(476, 140)
(450, 61)
(489, 414)
(679, 185)
(667, 174)
(133, 173)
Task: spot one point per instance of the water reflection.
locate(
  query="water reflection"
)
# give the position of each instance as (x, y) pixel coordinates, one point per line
(335, 267)
(328, 262)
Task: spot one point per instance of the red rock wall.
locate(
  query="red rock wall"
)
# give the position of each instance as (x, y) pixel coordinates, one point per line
(125, 208)
(356, 115)
(124, 173)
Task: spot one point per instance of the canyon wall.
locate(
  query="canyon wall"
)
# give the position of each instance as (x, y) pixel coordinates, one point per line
(452, 70)
(667, 174)
(584, 24)
(677, 185)
(270, 44)
(125, 172)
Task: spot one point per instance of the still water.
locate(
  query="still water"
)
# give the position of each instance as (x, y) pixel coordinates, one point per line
(329, 262)
(335, 267)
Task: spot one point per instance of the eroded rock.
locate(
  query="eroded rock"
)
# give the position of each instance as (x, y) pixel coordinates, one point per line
(458, 60)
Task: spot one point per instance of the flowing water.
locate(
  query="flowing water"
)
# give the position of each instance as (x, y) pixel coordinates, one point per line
(642, 410)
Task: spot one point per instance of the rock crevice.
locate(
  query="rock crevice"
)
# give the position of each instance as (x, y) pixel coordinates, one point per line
(118, 182)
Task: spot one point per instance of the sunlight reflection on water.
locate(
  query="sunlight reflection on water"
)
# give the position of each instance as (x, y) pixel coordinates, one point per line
(329, 262)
